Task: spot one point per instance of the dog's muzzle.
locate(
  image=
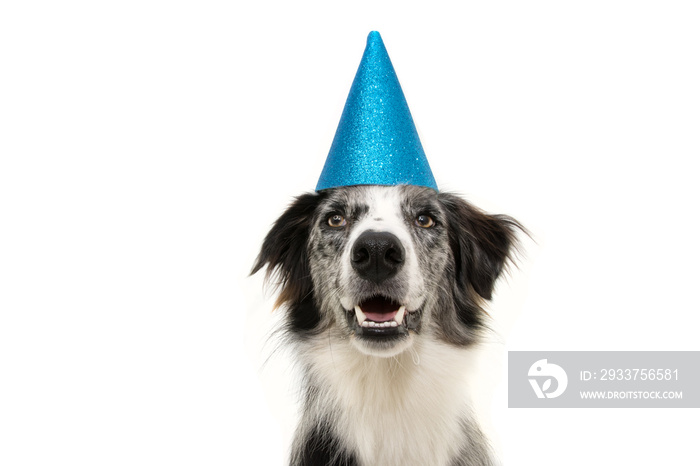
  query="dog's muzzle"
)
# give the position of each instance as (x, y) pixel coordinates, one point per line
(376, 257)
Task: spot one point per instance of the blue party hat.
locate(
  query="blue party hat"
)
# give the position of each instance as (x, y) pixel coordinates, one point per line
(376, 141)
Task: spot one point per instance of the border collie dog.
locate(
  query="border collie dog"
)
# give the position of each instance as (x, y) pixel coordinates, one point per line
(383, 288)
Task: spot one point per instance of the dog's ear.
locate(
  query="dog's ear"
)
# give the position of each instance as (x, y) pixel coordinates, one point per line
(481, 243)
(284, 250)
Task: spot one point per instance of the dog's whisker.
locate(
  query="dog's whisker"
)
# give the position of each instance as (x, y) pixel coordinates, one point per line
(415, 356)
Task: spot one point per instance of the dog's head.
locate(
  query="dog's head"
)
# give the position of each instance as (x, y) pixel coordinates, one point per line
(384, 265)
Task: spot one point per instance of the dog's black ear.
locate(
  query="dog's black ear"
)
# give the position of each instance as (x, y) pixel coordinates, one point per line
(284, 250)
(481, 243)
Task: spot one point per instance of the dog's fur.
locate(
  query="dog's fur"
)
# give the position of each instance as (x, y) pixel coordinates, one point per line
(390, 396)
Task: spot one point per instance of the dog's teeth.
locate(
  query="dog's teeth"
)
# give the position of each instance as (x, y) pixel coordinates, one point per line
(363, 322)
(372, 324)
(398, 318)
(361, 317)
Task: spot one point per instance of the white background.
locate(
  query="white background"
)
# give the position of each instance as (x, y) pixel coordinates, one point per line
(146, 147)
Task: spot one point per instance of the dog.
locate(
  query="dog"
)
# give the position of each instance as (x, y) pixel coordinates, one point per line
(383, 289)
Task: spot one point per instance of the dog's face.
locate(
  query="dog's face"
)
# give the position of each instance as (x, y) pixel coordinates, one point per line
(376, 256)
(386, 265)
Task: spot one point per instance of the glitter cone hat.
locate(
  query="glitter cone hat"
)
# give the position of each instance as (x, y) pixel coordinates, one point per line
(376, 141)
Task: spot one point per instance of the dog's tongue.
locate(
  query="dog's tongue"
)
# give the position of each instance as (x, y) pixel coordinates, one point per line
(379, 309)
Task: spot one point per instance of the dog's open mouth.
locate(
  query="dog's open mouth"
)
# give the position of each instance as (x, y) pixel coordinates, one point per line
(379, 312)
(382, 318)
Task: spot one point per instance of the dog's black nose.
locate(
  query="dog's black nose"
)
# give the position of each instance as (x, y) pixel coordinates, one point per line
(377, 255)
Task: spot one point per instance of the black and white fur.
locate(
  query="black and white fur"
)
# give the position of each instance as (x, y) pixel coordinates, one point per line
(386, 393)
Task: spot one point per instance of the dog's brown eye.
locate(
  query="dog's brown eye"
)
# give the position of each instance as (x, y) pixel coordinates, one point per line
(425, 221)
(336, 221)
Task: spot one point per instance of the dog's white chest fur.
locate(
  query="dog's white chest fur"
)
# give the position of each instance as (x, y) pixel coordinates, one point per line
(404, 410)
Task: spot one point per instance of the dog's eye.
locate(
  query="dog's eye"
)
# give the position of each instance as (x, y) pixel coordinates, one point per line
(425, 221)
(336, 221)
